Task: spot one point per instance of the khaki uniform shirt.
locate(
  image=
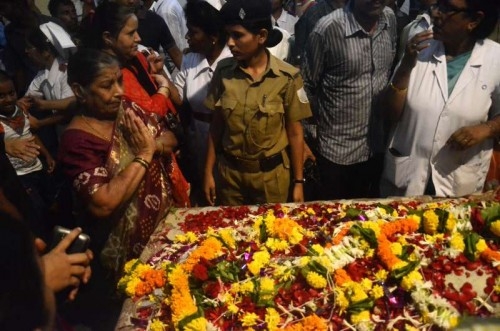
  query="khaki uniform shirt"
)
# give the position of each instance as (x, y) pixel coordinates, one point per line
(255, 111)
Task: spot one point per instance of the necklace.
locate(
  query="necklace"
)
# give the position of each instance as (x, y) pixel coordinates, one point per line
(100, 135)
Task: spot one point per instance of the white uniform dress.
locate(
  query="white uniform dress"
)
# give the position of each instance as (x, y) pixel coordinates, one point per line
(418, 148)
(192, 82)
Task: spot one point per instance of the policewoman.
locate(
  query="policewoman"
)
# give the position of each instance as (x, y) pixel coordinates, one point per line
(256, 138)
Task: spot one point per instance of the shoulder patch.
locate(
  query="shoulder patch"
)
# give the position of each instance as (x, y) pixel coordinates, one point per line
(301, 93)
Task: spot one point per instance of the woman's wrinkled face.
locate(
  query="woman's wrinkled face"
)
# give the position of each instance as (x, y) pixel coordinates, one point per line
(243, 43)
(452, 20)
(125, 46)
(103, 96)
(197, 39)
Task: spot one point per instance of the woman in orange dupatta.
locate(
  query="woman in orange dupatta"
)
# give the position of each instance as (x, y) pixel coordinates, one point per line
(114, 31)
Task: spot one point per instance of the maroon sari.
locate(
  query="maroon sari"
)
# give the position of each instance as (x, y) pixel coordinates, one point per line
(91, 162)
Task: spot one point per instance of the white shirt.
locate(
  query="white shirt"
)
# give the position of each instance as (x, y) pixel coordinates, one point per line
(286, 21)
(22, 167)
(430, 117)
(282, 50)
(172, 13)
(51, 84)
(195, 76)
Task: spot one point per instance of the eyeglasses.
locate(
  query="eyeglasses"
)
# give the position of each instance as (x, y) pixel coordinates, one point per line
(445, 8)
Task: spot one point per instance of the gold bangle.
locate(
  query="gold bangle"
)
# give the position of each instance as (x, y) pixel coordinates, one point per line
(398, 90)
(165, 86)
(142, 162)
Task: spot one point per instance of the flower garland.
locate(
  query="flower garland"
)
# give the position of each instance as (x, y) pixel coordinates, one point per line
(305, 268)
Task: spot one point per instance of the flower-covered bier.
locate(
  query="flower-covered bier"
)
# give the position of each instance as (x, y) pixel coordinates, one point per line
(324, 266)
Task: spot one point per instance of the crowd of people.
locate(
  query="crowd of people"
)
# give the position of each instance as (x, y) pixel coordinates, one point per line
(113, 112)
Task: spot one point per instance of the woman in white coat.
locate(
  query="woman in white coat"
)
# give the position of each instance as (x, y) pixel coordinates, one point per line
(444, 98)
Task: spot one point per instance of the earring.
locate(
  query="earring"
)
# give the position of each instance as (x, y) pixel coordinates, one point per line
(213, 42)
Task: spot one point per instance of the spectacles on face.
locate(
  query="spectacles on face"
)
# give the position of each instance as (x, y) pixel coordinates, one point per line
(445, 8)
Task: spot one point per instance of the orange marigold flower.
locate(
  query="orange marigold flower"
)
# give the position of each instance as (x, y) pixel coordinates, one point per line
(491, 256)
(341, 277)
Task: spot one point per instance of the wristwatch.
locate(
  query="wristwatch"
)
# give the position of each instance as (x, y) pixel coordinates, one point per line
(299, 181)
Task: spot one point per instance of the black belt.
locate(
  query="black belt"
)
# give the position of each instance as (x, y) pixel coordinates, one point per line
(252, 166)
(203, 117)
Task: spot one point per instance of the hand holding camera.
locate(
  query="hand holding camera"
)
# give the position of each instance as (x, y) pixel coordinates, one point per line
(67, 264)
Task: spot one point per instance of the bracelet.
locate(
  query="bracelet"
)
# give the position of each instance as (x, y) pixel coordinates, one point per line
(299, 181)
(165, 86)
(398, 90)
(142, 162)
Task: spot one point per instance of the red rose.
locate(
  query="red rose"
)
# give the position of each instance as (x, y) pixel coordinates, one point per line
(212, 289)
(200, 272)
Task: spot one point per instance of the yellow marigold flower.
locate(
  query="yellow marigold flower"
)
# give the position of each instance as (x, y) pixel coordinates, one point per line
(315, 280)
(211, 232)
(396, 248)
(361, 317)
(369, 253)
(198, 324)
(402, 240)
(296, 236)
(181, 238)
(131, 286)
(481, 245)
(495, 228)
(372, 225)
(246, 287)
(266, 284)
(232, 308)
(277, 244)
(227, 298)
(129, 265)
(257, 223)
(410, 280)
(318, 249)
(272, 319)
(303, 261)
(140, 269)
(249, 319)
(282, 273)
(355, 292)
(310, 211)
(432, 205)
(191, 237)
(451, 223)
(157, 325)
(341, 300)
(410, 328)
(457, 241)
(377, 292)
(414, 218)
(366, 284)
(260, 260)
(381, 275)
(431, 222)
(227, 237)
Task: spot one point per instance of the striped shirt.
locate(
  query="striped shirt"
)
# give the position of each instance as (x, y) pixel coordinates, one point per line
(345, 69)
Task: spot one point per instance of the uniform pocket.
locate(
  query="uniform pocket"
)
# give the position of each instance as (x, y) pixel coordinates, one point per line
(267, 124)
(466, 180)
(396, 175)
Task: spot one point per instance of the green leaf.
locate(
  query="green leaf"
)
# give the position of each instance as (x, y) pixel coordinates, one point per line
(491, 214)
(367, 234)
(387, 208)
(360, 306)
(401, 272)
(263, 232)
(470, 242)
(188, 319)
(353, 213)
(443, 218)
